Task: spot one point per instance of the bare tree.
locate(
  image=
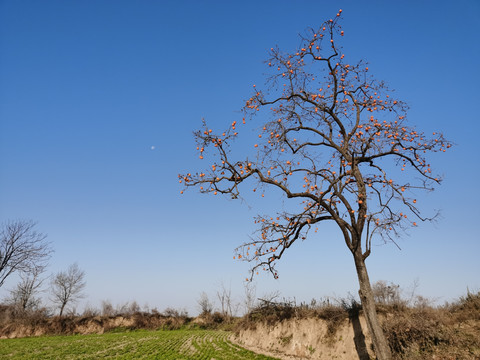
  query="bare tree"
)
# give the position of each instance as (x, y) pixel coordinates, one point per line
(337, 146)
(224, 295)
(24, 295)
(250, 296)
(385, 293)
(67, 286)
(90, 311)
(107, 308)
(22, 249)
(204, 303)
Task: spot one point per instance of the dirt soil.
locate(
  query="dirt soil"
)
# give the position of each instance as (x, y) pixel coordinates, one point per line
(308, 339)
(94, 325)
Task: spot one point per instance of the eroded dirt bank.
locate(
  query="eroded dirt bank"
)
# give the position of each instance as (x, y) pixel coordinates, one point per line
(311, 338)
(88, 325)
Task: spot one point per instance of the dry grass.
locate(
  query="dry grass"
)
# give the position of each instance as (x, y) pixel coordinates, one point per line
(447, 332)
(414, 331)
(270, 313)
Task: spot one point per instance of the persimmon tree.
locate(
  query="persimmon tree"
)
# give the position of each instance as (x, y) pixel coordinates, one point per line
(337, 145)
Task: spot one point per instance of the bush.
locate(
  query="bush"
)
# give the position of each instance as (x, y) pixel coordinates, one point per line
(415, 330)
(467, 307)
(449, 331)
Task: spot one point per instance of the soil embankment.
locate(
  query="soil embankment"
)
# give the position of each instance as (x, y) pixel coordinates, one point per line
(310, 338)
(87, 325)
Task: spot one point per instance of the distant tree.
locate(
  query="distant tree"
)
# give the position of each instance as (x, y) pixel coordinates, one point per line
(337, 146)
(133, 308)
(250, 296)
(107, 308)
(67, 286)
(22, 249)
(24, 295)
(385, 293)
(90, 311)
(227, 304)
(171, 312)
(204, 303)
(127, 308)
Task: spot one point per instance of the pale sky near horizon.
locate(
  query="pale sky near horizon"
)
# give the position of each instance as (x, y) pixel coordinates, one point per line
(98, 102)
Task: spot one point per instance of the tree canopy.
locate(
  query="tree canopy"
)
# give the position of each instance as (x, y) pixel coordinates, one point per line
(337, 143)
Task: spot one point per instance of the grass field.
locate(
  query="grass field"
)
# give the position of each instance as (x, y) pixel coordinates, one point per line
(142, 344)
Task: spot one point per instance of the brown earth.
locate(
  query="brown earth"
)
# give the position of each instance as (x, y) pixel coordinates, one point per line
(413, 334)
(87, 325)
(307, 339)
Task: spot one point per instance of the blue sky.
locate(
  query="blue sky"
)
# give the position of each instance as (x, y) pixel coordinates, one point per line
(88, 87)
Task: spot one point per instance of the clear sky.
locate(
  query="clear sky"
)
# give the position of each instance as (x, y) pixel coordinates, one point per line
(98, 101)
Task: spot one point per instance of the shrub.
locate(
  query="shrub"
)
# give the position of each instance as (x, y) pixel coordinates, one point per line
(467, 307)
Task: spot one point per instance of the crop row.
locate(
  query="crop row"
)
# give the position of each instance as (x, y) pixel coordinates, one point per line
(168, 345)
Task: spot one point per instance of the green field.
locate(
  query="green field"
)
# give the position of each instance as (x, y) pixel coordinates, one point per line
(142, 344)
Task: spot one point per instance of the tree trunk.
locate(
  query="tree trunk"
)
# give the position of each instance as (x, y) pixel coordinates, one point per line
(380, 345)
(61, 309)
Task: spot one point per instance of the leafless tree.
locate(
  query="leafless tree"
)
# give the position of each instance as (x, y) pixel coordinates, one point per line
(250, 296)
(126, 308)
(385, 293)
(107, 308)
(228, 306)
(67, 286)
(204, 303)
(24, 295)
(175, 313)
(224, 296)
(133, 308)
(22, 249)
(337, 146)
(90, 311)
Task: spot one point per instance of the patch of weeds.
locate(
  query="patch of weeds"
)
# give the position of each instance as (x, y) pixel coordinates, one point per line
(119, 329)
(285, 340)
(334, 316)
